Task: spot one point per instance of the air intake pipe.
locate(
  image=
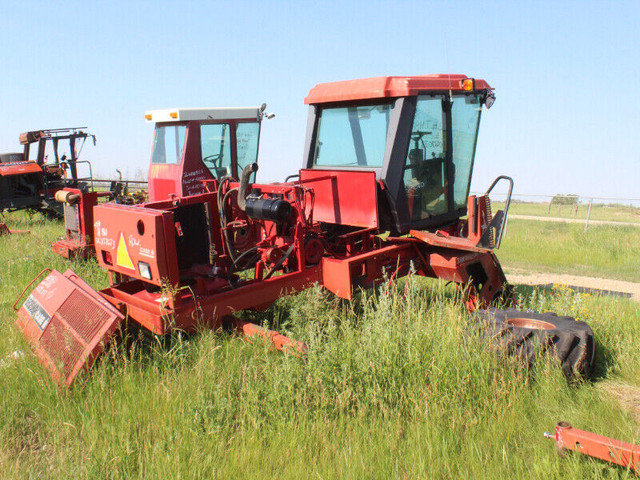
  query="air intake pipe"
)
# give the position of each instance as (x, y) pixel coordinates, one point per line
(244, 184)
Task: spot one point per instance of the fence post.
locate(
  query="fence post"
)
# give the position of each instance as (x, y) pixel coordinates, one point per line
(588, 215)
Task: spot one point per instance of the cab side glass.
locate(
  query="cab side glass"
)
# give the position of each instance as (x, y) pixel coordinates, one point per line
(247, 136)
(352, 137)
(168, 144)
(465, 120)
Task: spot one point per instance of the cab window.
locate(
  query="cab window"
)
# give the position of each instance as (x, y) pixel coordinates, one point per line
(168, 144)
(465, 119)
(352, 137)
(216, 148)
(247, 136)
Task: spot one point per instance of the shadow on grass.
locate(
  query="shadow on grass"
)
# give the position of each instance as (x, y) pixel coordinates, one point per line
(603, 363)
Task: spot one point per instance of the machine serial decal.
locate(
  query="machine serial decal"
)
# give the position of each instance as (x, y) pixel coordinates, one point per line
(147, 252)
(106, 242)
(37, 312)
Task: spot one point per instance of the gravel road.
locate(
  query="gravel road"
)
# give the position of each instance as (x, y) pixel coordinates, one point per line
(588, 284)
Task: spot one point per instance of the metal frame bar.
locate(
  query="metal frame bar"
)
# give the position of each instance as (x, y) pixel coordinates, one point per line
(597, 446)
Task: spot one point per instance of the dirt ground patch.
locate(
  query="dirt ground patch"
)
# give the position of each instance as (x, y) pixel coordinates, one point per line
(587, 284)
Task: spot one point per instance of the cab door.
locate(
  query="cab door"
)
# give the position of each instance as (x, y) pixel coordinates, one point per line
(439, 161)
(426, 169)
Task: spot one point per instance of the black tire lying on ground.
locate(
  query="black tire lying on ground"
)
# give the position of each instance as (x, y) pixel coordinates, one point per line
(529, 334)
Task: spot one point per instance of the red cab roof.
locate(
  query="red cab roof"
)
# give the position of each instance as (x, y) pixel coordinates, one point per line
(387, 87)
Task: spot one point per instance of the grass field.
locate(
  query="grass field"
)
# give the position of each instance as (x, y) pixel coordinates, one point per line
(395, 385)
(599, 211)
(602, 251)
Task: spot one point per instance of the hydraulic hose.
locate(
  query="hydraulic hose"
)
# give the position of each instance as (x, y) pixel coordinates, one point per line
(235, 265)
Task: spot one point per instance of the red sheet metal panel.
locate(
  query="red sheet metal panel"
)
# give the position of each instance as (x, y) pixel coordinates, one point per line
(447, 241)
(68, 324)
(19, 168)
(164, 181)
(343, 197)
(126, 236)
(387, 87)
(340, 276)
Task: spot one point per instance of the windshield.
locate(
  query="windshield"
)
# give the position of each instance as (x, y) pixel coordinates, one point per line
(168, 144)
(216, 146)
(352, 136)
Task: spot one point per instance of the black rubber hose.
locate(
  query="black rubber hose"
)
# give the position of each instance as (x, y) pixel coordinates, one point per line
(223, 221)
(246, 252)
(220, 196)
(234, 265)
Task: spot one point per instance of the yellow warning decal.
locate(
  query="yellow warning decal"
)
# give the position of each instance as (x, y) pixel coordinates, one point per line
(123, 259)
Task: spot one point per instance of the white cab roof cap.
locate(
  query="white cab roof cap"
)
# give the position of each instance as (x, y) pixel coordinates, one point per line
(218, 113)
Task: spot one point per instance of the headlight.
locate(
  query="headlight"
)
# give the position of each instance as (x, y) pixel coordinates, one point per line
(489, 99)
(145, 270)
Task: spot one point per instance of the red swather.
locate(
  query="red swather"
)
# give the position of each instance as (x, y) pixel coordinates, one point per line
(382, 192)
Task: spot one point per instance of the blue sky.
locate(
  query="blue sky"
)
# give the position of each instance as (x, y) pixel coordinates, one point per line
(565, 75)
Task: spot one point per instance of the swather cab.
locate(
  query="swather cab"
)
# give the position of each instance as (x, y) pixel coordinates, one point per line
(195, 144)
(416, 134)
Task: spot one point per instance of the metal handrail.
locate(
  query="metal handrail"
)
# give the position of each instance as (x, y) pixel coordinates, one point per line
(66, 166)
(506, 206)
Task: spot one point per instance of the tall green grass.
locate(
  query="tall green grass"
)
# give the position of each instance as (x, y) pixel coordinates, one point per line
(23, 256)
(395, 385)
(602, 251)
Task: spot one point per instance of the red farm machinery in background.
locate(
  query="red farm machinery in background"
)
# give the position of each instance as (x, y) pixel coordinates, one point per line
(230, 141)
(383, 191)
(48, 163)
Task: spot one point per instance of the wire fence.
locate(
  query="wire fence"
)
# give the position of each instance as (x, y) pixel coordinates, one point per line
(616, 211)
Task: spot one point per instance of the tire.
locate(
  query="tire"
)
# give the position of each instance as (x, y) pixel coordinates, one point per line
(530, 334)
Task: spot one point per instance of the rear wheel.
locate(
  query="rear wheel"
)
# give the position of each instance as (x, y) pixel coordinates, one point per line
(529, 334)
(504, 297)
